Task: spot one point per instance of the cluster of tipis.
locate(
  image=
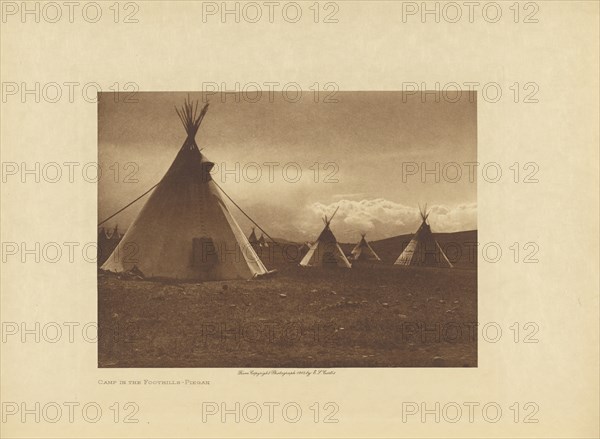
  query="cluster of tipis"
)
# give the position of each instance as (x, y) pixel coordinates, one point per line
(422, 250)
(185, 230)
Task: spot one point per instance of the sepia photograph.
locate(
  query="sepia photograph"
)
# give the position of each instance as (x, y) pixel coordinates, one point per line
(307, 229)
(299, 219)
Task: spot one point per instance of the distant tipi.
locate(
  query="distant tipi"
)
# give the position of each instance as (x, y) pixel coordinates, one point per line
(364, 252)
(252, 238)
(325, 252)
(185, 230)
(262, 242)
(116, 235)
(423, 249)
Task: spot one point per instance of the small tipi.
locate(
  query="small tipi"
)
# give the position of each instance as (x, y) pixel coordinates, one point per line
(423, 249)
(116, 235)
(364, 252)
(102, 234)
(262, 242)
(185, 231)
(103, 238)
(252, 238)
(325, 252)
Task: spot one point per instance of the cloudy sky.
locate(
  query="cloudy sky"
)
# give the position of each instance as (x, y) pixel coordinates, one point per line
(289, 163)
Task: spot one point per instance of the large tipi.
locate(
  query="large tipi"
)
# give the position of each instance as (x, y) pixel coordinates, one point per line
(325, 252)
(185, 231)
(423, 249)
(364, 252)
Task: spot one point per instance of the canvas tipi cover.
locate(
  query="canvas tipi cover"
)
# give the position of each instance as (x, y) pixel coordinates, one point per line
(325, 252)
(185, 231)
(364, 252)
(423, 249)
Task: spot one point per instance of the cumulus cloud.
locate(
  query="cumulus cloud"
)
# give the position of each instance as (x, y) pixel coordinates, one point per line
(378, 217)
(455, 218)
(383, 218)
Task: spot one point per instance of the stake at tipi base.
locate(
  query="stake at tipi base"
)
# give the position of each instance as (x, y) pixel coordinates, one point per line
(185, 230)
(423, 249)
